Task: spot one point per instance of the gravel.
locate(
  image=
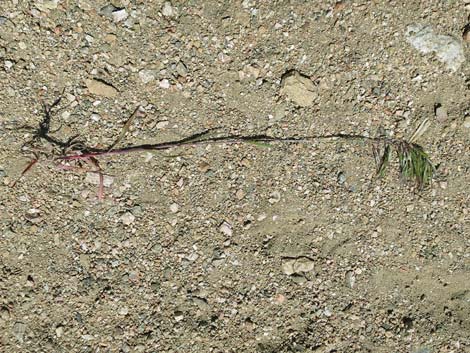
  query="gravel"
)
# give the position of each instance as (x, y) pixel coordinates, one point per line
(233, 247)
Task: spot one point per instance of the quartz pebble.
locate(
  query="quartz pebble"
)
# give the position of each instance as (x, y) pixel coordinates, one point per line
(46, 5)
(275, 197)
(297, 265)
(165, 84)
(119, 15)
(174, 207)
(146, 76)
(466, 123)
(226, 229)
(107, 10)
(127, 218)
(446, 48)
(168, 10)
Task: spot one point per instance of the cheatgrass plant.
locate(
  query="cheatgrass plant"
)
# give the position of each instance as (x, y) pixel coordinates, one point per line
(414, 162)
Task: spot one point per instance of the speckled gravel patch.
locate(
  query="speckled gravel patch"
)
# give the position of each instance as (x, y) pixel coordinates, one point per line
(235, 247)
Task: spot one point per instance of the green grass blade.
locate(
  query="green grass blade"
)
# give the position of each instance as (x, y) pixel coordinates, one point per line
(259, 144)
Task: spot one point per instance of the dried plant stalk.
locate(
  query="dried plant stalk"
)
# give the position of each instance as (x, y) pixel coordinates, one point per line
(413, 160)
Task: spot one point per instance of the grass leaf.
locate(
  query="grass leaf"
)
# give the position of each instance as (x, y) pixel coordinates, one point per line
(125, 128)
(384, 161)
(258, 143)
(415, 163)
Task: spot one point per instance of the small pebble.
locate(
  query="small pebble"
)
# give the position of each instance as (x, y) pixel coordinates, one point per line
(279, 299)
(350, 279)
(179, 316)
(107, 11)
(95, 117)
(240, 194)
(441, 113)
(466, 123)
(466, 33)
(341, 178)
(119, 15)
(162, 124)
(226, 228)
(275, 197)
(46, 5)
(123, 311)
(19, 330)
(165, 84)
(168, 10)
(297, 265)
(8, 64)
(85, 5)
(174, 207)
(181, 69)
(101, 88)
(147, 76)
(59, 331)
(127, 218)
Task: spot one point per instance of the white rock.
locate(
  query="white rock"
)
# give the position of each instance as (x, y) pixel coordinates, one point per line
(119, 15)
(147, 76)
(45, 5)
(127, 218)
(8, 64)
(165, 84)
(298, 265)
(275, 197)
(466, 123)
(123, 311)
(226, 228)
(59, 331)
(447, 49)
(192, 257)
(85, 5)
(303, 264)
(168, 10)
(95, 117)
(174, 207)
(224, 57)
(162, 124)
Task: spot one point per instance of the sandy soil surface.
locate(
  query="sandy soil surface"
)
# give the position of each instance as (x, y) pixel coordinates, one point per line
(234, 247)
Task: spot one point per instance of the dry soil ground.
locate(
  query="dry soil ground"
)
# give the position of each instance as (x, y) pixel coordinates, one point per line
(233, 248)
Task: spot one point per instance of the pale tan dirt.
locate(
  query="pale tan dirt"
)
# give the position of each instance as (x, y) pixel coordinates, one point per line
(187, 251)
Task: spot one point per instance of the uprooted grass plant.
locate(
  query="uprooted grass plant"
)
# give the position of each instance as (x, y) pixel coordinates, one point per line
(72, 155)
